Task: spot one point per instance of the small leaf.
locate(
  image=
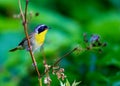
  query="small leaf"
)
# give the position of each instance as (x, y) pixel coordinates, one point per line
(62, 84)
(67, 83)
(76, 83)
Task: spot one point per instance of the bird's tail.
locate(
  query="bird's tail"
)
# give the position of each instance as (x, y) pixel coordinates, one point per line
(16, 48)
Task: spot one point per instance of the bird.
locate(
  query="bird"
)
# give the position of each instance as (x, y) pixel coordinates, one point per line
(37, 38)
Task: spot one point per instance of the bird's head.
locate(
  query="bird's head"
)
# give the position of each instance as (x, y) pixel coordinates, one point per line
(41, 28)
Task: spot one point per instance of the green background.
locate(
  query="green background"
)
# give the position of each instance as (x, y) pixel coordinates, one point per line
(68, 20)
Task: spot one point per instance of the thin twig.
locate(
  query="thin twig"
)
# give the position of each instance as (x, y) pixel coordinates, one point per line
(68, 53)
(21, 12)
(26, 7)
(45, 63)
(24, 19)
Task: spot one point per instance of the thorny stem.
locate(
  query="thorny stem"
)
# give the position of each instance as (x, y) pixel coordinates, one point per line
(24, 19)
(68, 53)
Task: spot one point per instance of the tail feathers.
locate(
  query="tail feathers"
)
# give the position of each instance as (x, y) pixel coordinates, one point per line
(17, 48)
(14, 49)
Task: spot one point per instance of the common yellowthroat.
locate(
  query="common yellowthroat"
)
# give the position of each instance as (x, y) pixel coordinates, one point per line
(36, 39)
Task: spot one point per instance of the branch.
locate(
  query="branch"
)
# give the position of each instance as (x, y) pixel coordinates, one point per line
(46, 67)
(21, 12)
(24, 19)
(68, 53)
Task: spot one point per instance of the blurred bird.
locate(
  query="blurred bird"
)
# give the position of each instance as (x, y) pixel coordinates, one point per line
(36, 39)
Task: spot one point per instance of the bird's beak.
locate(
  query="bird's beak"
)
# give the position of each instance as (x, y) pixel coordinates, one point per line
(49, 27)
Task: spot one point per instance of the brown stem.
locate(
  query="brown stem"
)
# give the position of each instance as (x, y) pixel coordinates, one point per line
(21, 12)
(24, 19)
(26, 7)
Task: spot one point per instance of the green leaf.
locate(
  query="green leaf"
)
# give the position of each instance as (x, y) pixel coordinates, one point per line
(76, 83)
(62, 84)
(67, 83)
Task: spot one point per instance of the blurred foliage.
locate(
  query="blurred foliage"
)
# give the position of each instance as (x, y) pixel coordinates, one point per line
(69, 19)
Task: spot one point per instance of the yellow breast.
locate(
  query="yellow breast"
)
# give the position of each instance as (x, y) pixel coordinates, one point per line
(40, 37)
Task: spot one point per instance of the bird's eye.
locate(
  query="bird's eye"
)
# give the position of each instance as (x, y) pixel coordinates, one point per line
(41, 28)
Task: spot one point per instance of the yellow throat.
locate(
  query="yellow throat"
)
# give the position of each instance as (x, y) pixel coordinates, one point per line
(40, 37)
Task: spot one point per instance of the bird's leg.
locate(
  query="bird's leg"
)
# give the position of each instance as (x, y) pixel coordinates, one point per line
(28, 49)
(34, 64)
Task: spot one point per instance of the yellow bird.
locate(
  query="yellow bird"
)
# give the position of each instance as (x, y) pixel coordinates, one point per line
(36, 39)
